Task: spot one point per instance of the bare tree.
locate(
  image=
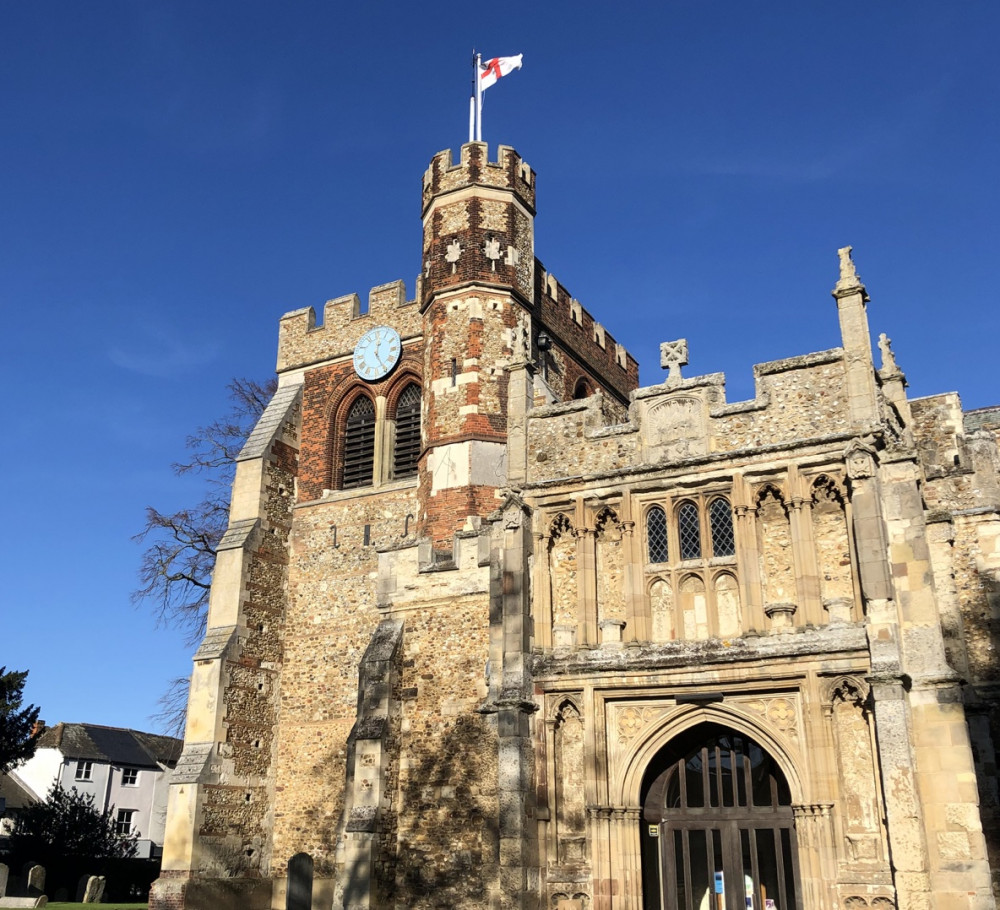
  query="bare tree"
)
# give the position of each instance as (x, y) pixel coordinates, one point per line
(175, 570)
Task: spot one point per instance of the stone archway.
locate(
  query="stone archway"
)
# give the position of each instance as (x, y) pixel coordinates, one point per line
(717, 826)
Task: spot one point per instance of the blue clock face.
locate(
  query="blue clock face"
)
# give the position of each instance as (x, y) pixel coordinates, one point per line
(377, 352)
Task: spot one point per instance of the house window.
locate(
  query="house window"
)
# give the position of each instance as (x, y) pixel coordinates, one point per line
(84, 770)
(123, 821)
(130, 777)
(359, 444)
(656, 534)
(689, 531)
(407, 447)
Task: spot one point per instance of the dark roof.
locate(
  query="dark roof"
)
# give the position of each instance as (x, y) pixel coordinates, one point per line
(15, 793)
(983, 419)
(115, 745)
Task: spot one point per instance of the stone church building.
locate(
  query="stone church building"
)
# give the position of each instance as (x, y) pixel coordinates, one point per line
(494, 627)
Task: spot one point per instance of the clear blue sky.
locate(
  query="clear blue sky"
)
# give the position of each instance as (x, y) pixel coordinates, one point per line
(175, 176)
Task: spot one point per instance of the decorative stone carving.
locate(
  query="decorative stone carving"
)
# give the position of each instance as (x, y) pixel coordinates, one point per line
(849, 280)
(491, 249)
(860, 459)
(678, 425)
(780, 712)
(673, 356)
(631, 719)
(888, 358)
(452, 254)
(847, 268)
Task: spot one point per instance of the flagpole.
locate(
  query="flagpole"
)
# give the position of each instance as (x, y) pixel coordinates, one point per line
(479, 98)
(472, 101)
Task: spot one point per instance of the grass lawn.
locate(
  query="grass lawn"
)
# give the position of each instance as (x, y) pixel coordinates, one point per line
(66, 905)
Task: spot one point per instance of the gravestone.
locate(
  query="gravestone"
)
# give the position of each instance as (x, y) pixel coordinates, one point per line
(95, 890)
(300, 882)
(4, 874)
(36, 880)
(81, 888)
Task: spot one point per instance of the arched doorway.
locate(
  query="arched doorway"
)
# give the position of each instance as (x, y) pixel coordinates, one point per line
(717, 826)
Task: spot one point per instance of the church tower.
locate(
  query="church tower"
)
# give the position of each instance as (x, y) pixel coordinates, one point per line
(477, 302)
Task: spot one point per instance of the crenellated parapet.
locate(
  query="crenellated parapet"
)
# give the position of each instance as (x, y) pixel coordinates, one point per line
(509, 172)
(599, 360)
(303, 343)
(688, 419)
(478, 223)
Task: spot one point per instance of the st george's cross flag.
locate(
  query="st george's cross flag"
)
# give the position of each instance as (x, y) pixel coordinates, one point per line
(491, 70)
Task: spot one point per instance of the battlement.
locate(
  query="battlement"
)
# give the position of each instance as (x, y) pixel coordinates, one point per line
(574, 328)
(509, 172)
(301, 342)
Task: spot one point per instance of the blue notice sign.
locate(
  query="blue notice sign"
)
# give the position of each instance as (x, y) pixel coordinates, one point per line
(719, 887)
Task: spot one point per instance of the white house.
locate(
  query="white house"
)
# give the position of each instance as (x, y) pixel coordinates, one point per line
(124, 769)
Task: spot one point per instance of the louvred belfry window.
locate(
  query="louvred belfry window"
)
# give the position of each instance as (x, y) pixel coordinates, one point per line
(407, 449)
(359, 444)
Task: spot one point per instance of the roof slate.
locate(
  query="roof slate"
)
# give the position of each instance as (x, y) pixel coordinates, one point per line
(114, 745)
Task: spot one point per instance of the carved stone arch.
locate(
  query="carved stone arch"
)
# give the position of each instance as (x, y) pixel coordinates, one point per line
(397, 386)
(827, 488)
(654, 580)
(626, 786)
(339, 407)
(559, 705)
(606, 521)
(560, 526)
(851, 689)
(583, 388)
(769, 492)
(563, 582)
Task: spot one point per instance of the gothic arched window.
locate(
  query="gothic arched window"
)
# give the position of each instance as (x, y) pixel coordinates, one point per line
(689, 531)
(656, 534)
(359, 444)
(407, 447)
(720, 518)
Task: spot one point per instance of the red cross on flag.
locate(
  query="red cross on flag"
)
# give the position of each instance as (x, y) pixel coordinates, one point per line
(491, 70)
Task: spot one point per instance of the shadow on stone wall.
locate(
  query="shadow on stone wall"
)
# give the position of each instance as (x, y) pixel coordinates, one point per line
(447, 847)
(983, 715)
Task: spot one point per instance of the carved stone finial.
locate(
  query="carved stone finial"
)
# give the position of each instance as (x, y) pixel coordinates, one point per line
(888, 358)
(673, 356)
(847, 269)
(849, 279)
